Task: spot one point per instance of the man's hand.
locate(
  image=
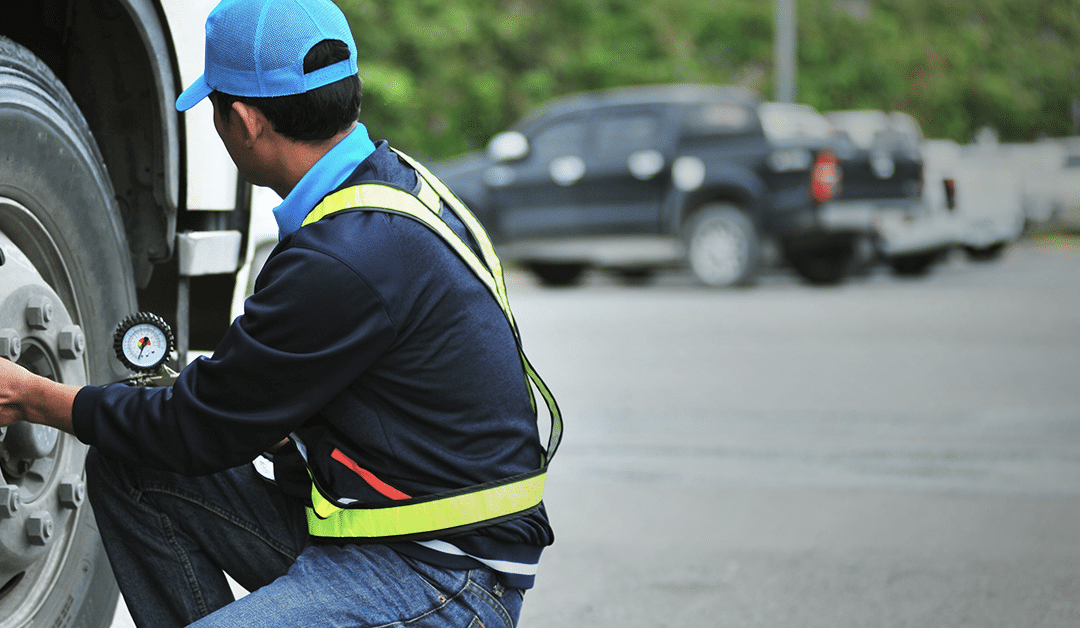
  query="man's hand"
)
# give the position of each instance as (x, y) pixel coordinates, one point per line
(28, 397)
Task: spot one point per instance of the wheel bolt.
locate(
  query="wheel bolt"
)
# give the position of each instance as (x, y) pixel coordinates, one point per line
(10, 500)
(39, 311)
(39, 528)
(71, 342)
(10, 344)
(26, 442)
(72, 493)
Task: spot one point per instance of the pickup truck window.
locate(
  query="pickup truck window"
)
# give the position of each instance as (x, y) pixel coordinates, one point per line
(617, 137)
(862, 127)
(557, 140)
(719, 118)
(783, 121)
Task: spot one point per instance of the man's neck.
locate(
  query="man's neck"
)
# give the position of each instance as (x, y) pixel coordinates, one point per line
(296, 158)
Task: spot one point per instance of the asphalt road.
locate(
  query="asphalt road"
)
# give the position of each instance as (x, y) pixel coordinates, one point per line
(890, 452)
(887, 453)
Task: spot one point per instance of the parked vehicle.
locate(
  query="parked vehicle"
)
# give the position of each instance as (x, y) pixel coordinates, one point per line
(985, 190)
(110, 203)
(1067, 193)
(700, 176)
(888, 150)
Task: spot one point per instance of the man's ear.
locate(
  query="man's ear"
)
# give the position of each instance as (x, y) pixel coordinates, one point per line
(252, 121)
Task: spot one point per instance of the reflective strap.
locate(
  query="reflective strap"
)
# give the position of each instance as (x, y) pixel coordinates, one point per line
(423, 517)
(428, 196)
(555, 437)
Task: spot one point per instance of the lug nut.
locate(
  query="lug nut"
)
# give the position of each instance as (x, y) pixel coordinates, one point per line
(28, 442)
(39, 311)
(71, 342)
(10, 344)
(10, 500)
(39, 528)
(72, 493)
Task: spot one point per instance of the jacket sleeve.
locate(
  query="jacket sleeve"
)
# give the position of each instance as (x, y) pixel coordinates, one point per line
(313, 326)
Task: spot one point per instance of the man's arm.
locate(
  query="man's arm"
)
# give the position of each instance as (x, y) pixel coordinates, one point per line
(28, 397)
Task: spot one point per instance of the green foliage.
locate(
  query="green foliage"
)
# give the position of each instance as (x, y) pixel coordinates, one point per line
(956, 65)
(441, 77)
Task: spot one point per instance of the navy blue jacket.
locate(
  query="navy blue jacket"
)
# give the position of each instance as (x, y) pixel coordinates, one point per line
(366, 333)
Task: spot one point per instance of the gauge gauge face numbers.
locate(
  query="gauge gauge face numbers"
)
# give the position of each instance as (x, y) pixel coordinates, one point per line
(143, 341)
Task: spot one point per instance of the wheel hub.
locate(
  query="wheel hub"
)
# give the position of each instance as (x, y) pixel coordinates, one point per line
(719, 255)
(41, 484)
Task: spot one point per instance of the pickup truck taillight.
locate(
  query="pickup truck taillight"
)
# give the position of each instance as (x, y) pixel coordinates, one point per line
(825, 177)
(950, 192)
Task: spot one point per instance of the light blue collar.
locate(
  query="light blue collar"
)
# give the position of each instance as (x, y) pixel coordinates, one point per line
(324, 177)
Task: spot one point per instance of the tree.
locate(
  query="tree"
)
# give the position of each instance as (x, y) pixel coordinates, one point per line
(441, 77)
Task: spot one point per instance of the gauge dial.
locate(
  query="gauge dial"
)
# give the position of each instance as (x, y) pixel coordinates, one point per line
(143, 341)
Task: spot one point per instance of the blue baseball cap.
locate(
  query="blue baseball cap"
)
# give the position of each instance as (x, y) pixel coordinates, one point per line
(257, 48)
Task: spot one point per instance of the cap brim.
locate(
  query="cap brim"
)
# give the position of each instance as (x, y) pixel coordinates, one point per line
(193, 95)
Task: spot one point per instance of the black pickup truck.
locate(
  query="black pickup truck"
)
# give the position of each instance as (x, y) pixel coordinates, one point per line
(703, 176)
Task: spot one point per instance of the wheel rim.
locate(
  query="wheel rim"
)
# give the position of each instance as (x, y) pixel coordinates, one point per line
(718, 252)
(41, 485)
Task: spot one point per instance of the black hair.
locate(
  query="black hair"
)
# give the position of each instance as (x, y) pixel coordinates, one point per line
(312, 116)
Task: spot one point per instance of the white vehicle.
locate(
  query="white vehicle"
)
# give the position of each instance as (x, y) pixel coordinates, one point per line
(110, 203)
(1067, 210)
(980, 187)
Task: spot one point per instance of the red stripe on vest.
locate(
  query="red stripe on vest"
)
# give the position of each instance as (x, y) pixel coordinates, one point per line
(369, 477)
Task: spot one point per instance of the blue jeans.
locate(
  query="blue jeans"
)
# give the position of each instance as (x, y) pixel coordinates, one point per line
(171, 540)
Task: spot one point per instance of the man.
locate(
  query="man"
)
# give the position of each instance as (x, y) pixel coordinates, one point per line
(377, 359)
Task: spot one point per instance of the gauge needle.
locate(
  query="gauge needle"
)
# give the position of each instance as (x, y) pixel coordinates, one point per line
(143, 344)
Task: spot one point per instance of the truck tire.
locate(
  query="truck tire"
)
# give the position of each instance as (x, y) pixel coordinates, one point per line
(915, 264)
(722, 246)
(823, 263)
(988, 253)
(65, 281)
(557, 274)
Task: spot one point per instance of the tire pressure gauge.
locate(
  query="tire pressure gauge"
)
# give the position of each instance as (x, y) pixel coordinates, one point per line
(143, 342)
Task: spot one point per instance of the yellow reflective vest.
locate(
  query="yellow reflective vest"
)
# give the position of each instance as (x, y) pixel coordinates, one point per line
(430, 516)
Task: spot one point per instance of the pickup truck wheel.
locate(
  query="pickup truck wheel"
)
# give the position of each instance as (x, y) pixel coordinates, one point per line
(557, 274)
(722, 246)
(634, 276)
(65, 281)
(987, 253)
(826, 263)
(915, 264)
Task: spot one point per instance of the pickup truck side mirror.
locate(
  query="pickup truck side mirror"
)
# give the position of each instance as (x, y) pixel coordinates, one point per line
(508, 146)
